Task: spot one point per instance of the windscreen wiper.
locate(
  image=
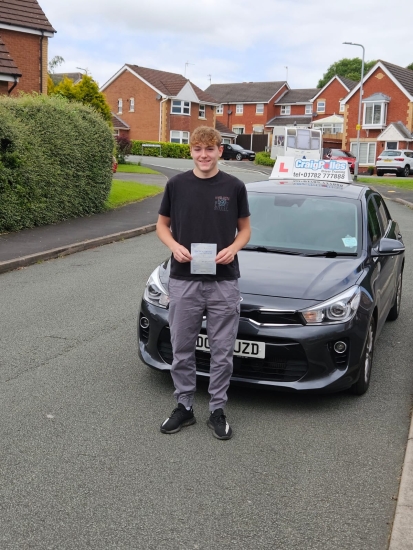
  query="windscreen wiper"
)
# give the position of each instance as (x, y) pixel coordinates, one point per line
(271, 250)
(330, 254)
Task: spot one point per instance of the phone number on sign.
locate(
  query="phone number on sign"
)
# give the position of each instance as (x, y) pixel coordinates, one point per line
(320, 175)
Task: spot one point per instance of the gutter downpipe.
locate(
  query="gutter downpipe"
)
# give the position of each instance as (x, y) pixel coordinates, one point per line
(14, 85)
(41, 61)
(160, 117)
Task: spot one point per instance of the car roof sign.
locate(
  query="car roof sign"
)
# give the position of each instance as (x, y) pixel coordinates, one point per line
(290, 168)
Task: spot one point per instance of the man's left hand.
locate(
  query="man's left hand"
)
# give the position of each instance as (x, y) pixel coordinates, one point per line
(225, 256)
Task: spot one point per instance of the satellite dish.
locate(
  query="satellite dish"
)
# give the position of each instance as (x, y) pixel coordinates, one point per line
(158, 97)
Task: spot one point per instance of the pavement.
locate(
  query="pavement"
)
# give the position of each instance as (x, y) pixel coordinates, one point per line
(30, 246)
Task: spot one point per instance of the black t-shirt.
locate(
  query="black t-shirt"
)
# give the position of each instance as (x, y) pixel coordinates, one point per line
(204, 211)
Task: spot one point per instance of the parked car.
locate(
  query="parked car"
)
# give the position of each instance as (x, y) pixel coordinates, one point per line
(321, 274)
(114, 164)
(234, 151)
(340, 154)
(399, 162)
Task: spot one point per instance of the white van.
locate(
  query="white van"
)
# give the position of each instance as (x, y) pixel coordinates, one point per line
(292, 141)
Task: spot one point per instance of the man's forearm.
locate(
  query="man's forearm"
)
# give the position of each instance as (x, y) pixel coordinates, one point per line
(164, 234)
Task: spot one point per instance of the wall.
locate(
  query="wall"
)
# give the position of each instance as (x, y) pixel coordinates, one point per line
(24, 48)
(332, 96)
(144, 121)
(398, 109)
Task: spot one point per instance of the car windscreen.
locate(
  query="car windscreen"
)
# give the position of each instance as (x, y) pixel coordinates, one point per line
(237, 147)
(391, 153)
(305, 224)
(340, 153)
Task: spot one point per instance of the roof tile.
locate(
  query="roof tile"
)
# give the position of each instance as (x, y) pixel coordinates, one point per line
(24, 13)
(7, 64)
(404, 76)
(303, 95)
(245, 92)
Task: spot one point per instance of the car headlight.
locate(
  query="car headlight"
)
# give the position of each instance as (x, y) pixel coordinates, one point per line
(339, 309)
(155, 293)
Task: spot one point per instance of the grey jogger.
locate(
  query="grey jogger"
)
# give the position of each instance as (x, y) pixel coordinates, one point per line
(188, 302)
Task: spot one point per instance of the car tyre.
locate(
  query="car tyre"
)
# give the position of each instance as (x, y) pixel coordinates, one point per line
(406, 171)
(238, 156)
(380, 173)
(395, 309)
(366, 362)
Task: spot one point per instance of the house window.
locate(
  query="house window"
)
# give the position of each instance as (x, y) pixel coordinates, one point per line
(131, 105)
(220, 110)
(238, 129)
(374, 115)
(258, 129)
(392, 144)
(201, 111)
(308, 109)
(321, 106)
(330, 128)
(116, 133)
(120, 104)
(179, 137)
(239, 109)
(226, 140)
(259, 109)
(341, 107)
(367, 152)
(285, 109)
(181, 107)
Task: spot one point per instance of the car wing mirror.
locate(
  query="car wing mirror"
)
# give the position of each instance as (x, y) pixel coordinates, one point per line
(388, 247)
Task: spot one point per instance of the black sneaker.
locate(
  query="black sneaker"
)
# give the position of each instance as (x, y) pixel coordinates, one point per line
(218, 422)
(179, 418)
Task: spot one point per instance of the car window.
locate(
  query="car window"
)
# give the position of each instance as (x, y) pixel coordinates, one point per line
(373, 222)
(384, 216)
(303, 223)
(390, 153)
(237, 147)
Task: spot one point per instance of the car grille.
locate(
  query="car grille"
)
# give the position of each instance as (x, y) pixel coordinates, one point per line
(282, 363)
(272, 317)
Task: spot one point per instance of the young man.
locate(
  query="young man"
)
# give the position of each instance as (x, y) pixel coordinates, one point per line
(204, 221)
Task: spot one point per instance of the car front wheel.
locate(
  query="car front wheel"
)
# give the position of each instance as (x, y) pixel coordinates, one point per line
(395, 309)
(366, 362)
(238, 156)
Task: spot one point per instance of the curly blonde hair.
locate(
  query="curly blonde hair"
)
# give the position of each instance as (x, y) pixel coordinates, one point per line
(205, 135)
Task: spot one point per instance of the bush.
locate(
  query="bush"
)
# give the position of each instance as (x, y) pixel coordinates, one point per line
(123, 148)
(264, 159)
(55, 161)
(171, 150)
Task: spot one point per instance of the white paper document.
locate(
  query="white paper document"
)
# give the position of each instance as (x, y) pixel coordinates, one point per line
(203, 259)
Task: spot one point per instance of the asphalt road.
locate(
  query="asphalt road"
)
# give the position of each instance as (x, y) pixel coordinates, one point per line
(83, 464)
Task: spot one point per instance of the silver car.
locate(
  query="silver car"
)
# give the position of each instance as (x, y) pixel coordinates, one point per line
(398, 161)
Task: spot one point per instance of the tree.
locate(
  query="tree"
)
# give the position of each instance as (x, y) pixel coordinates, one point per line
(86, 91)
(410, 66)
(55, 62)
(349, 68)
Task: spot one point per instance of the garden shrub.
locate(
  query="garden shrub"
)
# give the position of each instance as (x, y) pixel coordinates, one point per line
(264, 159)
(123, 148)
(55, 161)
(170, 150)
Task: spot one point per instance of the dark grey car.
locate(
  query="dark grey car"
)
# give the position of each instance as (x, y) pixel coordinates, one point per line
(320, 276)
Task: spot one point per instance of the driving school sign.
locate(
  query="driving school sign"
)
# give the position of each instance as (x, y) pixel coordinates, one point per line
(315, 169)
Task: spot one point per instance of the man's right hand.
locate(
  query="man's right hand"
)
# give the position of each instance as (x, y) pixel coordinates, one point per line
(181, 254)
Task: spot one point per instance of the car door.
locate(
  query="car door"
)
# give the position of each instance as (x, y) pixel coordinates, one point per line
(392, 266)
(381, 267)
(229, 152)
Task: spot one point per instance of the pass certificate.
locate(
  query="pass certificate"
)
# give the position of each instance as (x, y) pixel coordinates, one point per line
(203, 259)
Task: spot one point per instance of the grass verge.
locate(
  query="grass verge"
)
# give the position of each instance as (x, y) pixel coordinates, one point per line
(135, 169)
(401, 183)
(125, 192)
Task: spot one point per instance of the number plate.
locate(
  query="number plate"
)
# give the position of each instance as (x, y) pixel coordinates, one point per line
(244, 348)
(387, 160)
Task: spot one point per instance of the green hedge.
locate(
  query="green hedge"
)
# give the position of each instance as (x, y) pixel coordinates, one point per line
(171, 150)
(55, 161)
(264, 159)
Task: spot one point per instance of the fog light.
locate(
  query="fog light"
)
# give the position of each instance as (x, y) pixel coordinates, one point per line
(340, 347)
(144, 322)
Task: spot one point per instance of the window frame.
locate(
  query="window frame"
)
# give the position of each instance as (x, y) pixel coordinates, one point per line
(369, 145)
(132, 105)
(382, 213)
(239, 109)
(319, 103)
(219, 110)
(120, 106)
(259, 112)
(308, 110)
(392, 148)
(285, 110)
(202, 107)
(383, 114)
(183, 106)
(180, 138)
(380, 235)
(240, 127)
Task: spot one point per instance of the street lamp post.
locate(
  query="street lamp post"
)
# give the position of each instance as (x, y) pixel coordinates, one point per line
(356, 166)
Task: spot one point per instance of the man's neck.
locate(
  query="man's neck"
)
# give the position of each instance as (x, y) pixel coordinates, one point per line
(205, 175)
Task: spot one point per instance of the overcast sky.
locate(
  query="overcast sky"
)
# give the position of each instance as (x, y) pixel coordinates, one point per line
(227, 41)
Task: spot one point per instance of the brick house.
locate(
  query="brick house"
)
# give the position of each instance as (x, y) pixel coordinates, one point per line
(245, 107)
(158, 105)
(386, 114)
(295, 107)
(24, 35)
